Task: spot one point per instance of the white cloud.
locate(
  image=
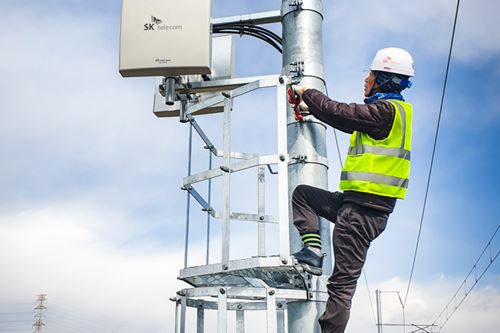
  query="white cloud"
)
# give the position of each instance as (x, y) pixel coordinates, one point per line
(424, 27)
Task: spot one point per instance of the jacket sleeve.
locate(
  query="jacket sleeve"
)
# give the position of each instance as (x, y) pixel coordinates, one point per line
(375, 119)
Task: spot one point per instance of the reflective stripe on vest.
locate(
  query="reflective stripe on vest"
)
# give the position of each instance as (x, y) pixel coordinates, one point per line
(374, 177)
(396, 152)
(380, 166)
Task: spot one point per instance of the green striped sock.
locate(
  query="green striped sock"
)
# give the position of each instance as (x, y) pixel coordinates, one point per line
(313, 240)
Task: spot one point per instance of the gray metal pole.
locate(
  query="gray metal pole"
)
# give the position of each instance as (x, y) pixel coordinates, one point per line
(303, 59)
(379, 310)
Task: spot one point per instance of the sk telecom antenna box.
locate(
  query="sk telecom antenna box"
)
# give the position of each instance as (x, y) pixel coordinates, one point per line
(165, 37)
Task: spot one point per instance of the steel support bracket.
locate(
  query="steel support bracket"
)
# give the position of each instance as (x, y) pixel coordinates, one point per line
(234, 167)
(203, 203)
(308, 284)
(306, 279)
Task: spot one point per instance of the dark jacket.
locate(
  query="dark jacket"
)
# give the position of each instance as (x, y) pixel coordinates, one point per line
(374, 119)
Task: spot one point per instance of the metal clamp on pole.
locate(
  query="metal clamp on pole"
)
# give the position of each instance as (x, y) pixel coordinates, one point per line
(296, 3)
(316, 159)
(300, 68)
(291, 6)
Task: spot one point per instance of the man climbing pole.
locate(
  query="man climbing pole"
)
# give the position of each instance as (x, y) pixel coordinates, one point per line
(375, 175)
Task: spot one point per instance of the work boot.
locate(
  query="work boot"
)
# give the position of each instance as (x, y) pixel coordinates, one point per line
(310, 260)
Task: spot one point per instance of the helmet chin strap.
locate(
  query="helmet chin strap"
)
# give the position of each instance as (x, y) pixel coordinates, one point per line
(402, 83)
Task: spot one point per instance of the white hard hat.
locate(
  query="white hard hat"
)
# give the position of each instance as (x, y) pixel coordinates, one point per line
(393, 60)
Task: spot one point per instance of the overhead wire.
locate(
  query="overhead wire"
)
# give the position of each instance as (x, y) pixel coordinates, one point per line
(338, 147)
(72, 316)
(336, 138)
(370, 296)
(433, 152)
(476, 279)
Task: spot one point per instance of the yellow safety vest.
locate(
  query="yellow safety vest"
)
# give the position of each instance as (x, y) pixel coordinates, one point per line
(381, 166)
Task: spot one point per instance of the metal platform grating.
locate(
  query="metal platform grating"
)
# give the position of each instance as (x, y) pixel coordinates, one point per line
(267, 272)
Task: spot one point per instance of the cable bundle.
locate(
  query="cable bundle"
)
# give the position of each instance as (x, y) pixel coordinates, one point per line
(250, 30)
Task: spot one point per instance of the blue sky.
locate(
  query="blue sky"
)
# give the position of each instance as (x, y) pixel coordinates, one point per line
(89, 179)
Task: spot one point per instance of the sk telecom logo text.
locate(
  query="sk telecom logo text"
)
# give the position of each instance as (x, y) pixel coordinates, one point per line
(156, 24)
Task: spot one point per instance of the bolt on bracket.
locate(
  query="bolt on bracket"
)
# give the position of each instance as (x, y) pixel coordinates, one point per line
(297, 68)
(300, 158)
(296, 3)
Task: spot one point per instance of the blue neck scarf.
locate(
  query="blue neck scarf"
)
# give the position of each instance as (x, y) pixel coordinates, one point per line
(379, 96)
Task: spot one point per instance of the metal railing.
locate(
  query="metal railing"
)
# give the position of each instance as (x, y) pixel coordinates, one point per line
(244, 161)
(258, 283)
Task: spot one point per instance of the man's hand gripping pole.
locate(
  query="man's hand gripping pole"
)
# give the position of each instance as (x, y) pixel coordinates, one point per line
(300, 109)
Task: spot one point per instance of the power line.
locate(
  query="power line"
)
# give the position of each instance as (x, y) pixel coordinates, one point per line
(475, 279)
(433, 152)
(370, 296)
(338, 148)
(68, 315)
(336, 139)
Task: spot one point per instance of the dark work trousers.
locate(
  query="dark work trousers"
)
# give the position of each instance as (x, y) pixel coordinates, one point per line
(355, 227)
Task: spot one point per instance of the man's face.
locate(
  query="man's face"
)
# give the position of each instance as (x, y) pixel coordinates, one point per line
(369, 82)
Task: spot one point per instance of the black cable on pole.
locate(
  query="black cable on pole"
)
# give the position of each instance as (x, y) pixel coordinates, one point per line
(249, 27)
(252, 27)
(250, 33)
(251, 30)
(433, 151)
